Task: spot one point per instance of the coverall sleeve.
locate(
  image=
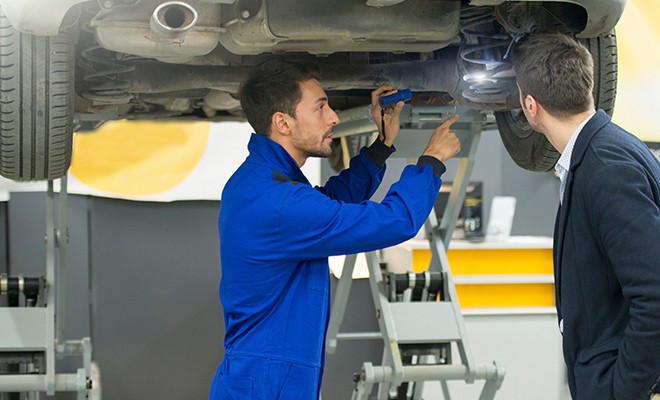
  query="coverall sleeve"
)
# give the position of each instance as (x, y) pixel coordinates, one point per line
(627, 218)
(362, 178)
(314, 226)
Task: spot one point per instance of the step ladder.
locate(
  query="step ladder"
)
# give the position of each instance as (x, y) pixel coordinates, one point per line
(418, 315)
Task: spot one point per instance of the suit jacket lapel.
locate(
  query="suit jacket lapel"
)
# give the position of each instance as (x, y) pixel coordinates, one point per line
(558, 248)
(599, 120)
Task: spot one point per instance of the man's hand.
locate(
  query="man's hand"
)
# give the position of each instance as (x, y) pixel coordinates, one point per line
(392, 123)
(443, 144)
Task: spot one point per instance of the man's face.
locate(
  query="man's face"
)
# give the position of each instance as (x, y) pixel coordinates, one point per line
(312, 130)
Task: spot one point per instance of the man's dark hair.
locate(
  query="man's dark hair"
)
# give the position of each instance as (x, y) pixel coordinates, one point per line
(274, 86)
(557, 71)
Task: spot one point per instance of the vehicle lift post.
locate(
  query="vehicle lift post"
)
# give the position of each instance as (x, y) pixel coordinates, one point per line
(426, 324)
(36, 331)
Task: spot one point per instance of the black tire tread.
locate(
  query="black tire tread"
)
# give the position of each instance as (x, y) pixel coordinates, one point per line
(36, 104)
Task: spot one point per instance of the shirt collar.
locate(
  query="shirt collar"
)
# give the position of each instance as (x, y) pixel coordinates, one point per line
(564, 162)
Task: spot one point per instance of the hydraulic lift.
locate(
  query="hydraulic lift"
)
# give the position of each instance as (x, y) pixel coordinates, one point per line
(418, 314)
(32, 323)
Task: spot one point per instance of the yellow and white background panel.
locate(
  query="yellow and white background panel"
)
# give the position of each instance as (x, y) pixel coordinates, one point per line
(157, 161)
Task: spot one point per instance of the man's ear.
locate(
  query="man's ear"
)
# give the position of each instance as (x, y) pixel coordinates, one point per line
(531, 105)
(280, 123)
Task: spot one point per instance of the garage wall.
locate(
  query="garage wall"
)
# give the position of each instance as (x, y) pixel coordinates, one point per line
(156, 318)
(142, 281)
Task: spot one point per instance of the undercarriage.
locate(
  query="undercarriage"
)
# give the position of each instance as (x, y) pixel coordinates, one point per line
(153, 59)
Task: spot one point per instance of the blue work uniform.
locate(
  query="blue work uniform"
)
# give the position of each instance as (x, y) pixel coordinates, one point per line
(276, 233)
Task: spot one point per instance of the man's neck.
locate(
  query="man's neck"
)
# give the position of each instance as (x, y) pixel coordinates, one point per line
(561, 130)
(287, 144)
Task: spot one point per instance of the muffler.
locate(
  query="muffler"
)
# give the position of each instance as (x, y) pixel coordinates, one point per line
(173, 19)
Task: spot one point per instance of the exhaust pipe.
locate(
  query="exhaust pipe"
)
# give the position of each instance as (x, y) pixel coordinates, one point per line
(173, 19)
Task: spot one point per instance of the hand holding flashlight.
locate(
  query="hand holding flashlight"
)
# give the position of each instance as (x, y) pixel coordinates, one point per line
(401, 95)
(386, 110)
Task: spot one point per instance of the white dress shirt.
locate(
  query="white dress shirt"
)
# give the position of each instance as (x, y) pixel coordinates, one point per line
(564, 162)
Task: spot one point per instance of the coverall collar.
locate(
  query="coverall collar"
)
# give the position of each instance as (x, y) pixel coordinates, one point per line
(266, 151)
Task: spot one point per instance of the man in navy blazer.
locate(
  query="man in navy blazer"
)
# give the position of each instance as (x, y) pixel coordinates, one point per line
(607, 233)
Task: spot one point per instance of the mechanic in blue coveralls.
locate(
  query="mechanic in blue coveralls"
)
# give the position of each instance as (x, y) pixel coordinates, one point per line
(277, 231)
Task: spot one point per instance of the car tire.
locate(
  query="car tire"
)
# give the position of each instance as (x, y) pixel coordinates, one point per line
(36, 104)
(530, 149)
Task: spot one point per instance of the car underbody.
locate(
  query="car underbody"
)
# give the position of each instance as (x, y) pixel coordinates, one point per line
(152, 59)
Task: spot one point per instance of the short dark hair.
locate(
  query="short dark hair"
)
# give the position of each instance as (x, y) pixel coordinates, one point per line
(557, 71)
(274, 86)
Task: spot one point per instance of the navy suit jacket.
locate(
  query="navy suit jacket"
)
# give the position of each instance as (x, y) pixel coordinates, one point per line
(607, 265)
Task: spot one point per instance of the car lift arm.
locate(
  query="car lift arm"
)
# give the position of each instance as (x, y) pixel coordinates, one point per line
(35, 332)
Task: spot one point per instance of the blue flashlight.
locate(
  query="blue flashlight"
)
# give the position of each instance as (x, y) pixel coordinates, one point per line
(401, 95)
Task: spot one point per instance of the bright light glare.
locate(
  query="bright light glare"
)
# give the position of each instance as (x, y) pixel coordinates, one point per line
(475, 76)
(480, 77)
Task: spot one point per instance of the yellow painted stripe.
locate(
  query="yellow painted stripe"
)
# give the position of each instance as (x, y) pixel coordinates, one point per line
(490, 261)
(509, 295)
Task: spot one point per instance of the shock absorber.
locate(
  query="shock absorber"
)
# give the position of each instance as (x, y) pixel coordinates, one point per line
(481, 56)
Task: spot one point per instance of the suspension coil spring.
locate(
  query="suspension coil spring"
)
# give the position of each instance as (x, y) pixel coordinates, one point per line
(102, 72)
(105, 87)
(482, 60)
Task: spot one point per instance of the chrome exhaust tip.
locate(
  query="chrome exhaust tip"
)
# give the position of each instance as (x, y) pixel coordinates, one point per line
(173, 19)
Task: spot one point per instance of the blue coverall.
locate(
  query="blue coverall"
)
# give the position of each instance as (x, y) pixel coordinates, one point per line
(276, 233)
